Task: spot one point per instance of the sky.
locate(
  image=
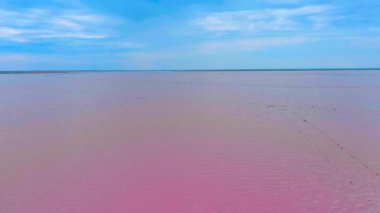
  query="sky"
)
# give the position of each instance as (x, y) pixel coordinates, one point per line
(188, 34)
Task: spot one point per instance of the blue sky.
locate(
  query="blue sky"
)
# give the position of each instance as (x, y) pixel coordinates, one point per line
(188, 34)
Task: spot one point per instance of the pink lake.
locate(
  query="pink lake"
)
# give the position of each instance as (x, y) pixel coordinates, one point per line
(190, 142)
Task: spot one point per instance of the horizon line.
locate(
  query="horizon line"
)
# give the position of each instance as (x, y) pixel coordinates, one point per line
(62, 71)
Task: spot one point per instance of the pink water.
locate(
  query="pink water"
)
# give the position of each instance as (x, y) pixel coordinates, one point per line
(190, 142)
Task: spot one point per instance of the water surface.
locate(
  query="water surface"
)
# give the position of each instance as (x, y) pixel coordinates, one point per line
(190, 142)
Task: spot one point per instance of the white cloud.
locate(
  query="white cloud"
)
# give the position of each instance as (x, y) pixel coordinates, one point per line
(220, 48)
(33, 24)
(9, 32)
(283, 1)
(288, 19)
(251, 44)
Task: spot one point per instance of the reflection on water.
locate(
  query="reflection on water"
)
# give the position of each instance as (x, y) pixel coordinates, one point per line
(190, 142)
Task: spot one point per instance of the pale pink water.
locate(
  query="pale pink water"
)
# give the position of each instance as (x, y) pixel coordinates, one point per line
(190, 142)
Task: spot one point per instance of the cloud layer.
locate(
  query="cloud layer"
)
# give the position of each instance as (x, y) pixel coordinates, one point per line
(34, 24)
(289, 19)
(90, 34)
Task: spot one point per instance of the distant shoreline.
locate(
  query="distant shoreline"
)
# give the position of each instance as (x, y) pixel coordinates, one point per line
(184, 70)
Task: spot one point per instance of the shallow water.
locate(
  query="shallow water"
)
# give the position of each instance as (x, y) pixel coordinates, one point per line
(190, 142)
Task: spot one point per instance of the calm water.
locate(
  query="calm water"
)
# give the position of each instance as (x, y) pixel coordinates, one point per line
(190, 142)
